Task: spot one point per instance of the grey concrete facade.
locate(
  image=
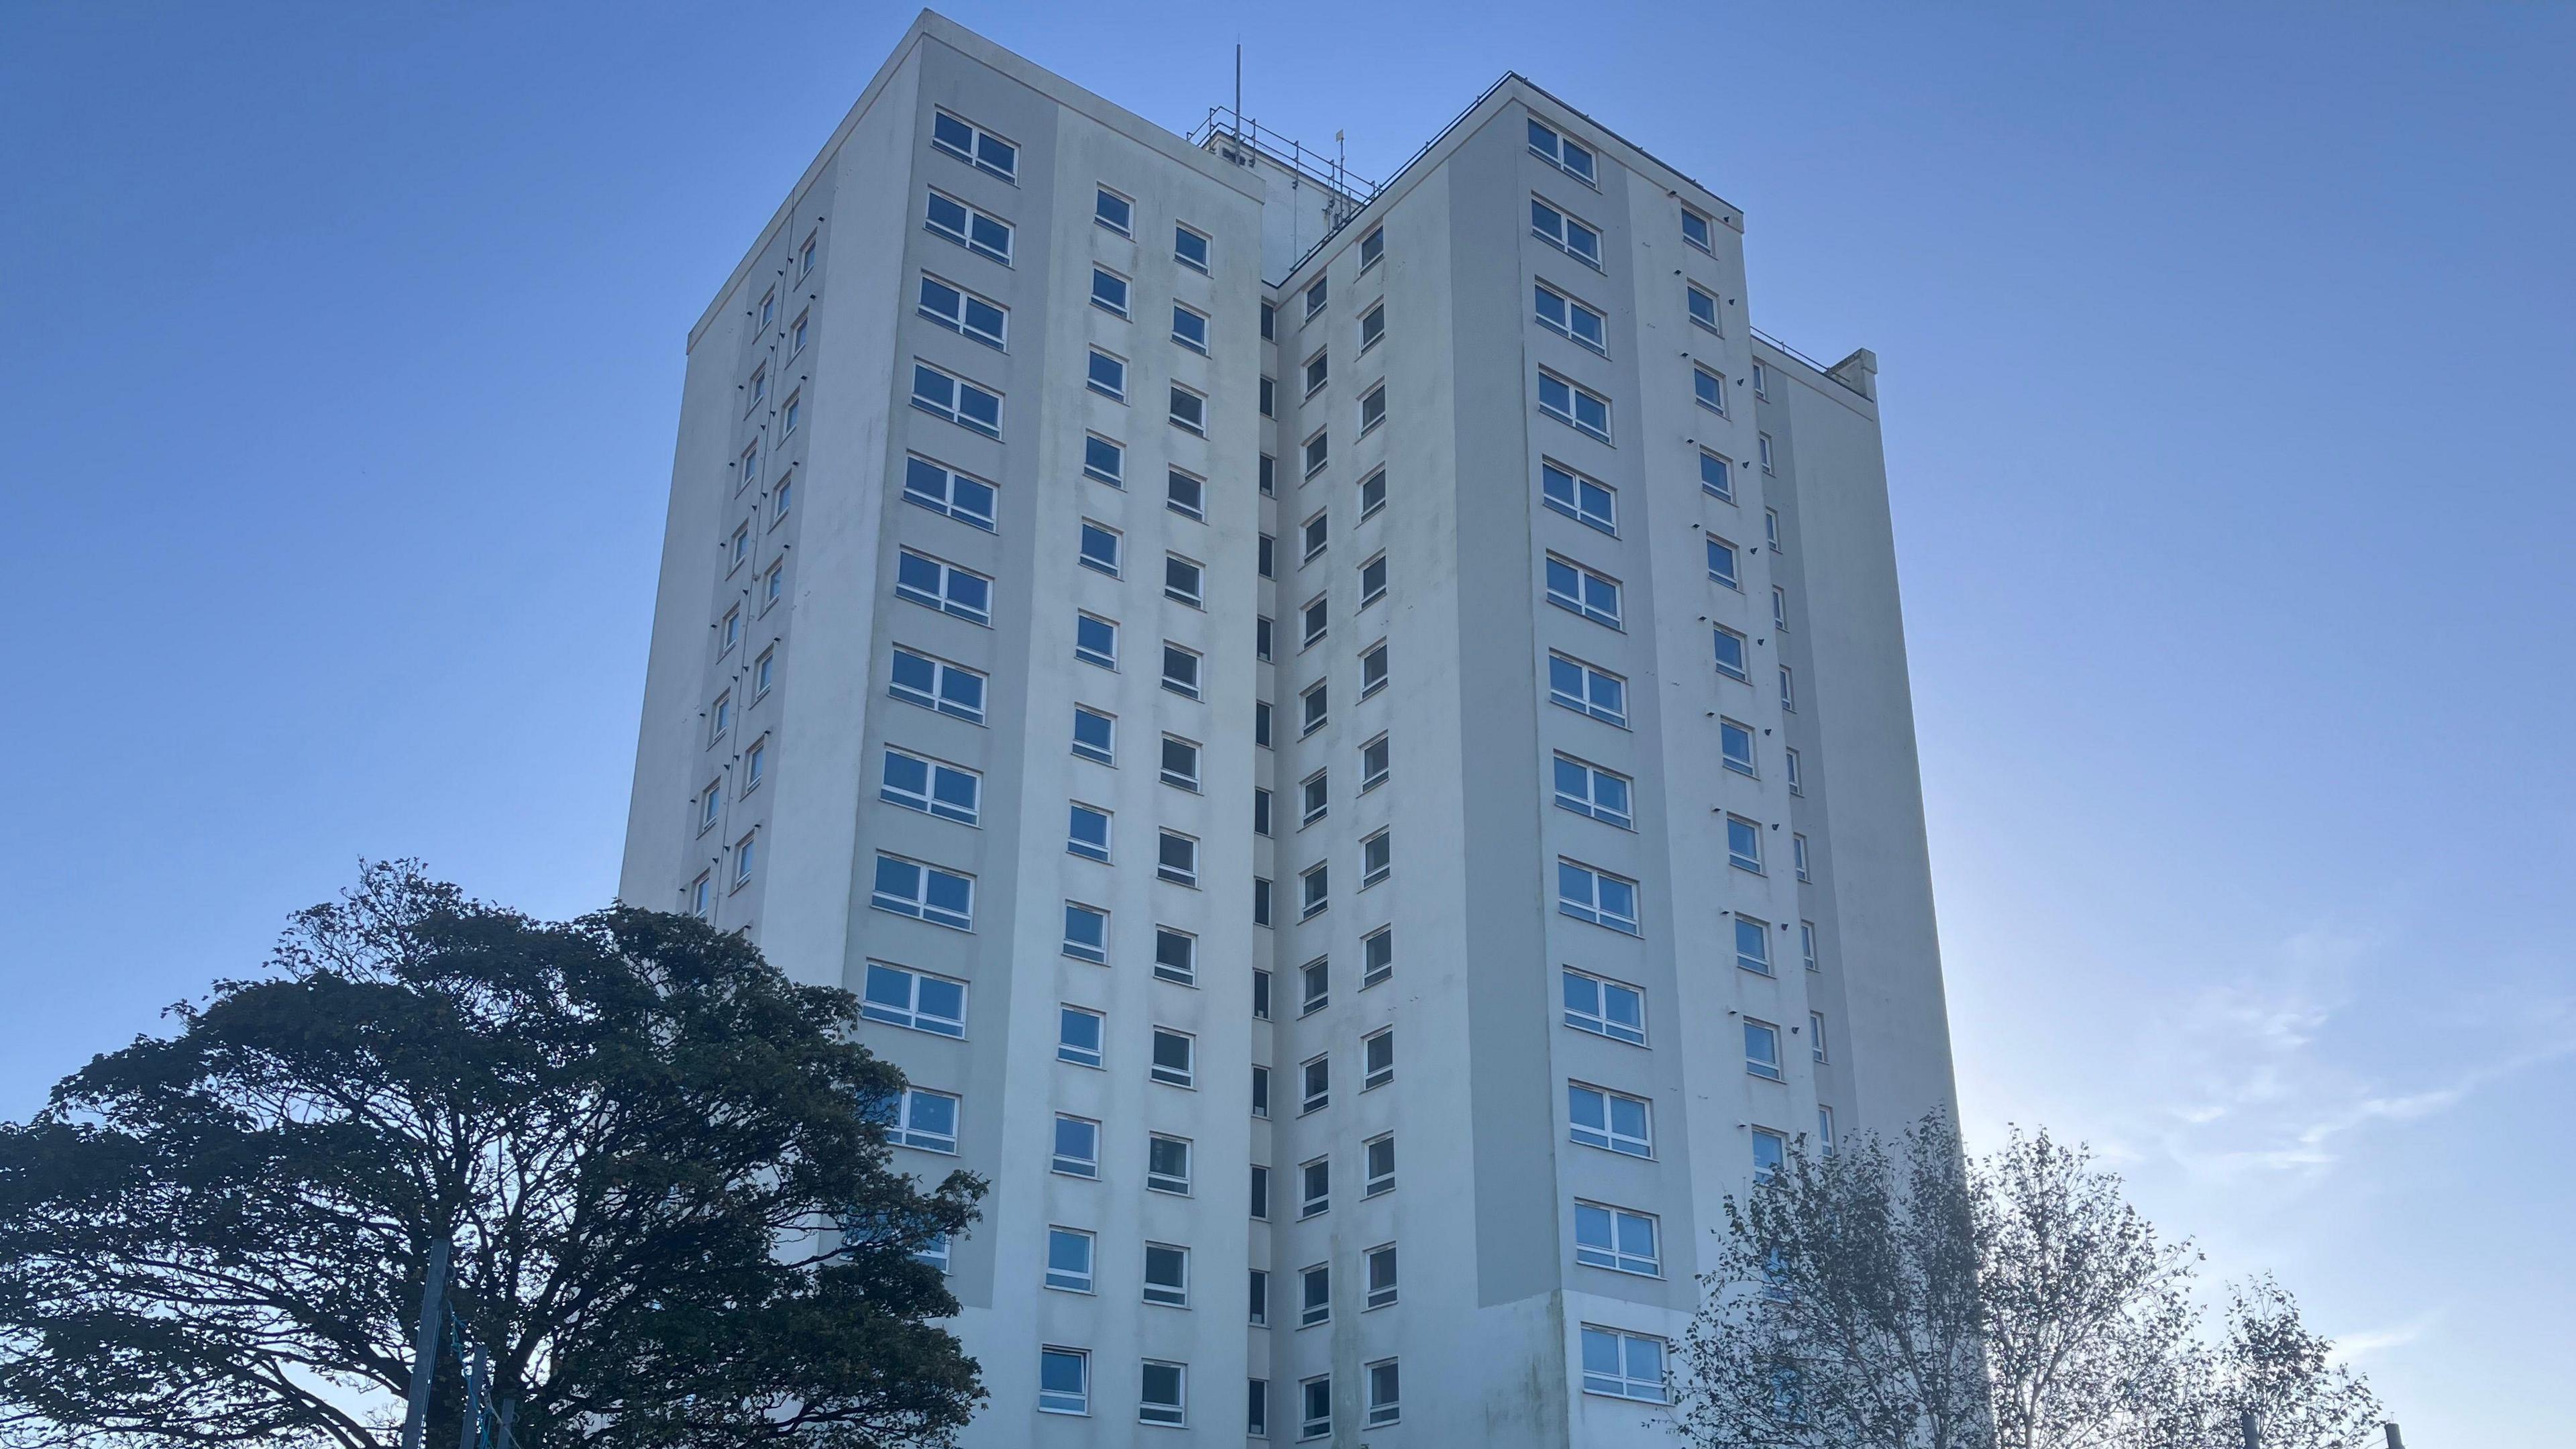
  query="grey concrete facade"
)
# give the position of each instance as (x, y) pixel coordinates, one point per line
(1419, 1042)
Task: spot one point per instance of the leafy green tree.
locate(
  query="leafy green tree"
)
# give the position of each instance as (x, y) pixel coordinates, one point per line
(674, 1218)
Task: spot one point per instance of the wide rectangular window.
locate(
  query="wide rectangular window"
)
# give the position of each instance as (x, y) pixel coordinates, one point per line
(1578, 407)
(946, 395)
(1588, 789)
(974, 145)
(1094, 734)
(1604, 1008)
(924, 892)
(1617, 1239)
(1573, 587)
(1588, 893)
(1560, 151)
(918, 1000)
(1570, 319)
(923, 1119)
(963, 312)
(969, 228)
(1609, 1120)
(937, 584)
(1588, 690)
(1623, 1365)
(1113, 210)
(932, 787)
(1564, 233)
(1167, 1164)
(1578, 497)
(944, 490)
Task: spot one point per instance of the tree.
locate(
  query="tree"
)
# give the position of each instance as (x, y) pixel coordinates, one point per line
(1843, 1310)
(659, 1161)
(1916, 1300)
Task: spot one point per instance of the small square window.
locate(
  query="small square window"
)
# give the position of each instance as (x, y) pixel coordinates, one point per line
(1109, 291)
(1190, 248)
(1185, 494)
(1113, 210)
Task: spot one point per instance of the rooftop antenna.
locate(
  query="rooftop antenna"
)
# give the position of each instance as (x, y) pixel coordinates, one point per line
(1238, 93)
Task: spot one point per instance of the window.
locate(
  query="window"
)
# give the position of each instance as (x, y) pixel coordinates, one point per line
(1167, 1275)
(1167, 1164)
(1372, 247)
(1623, 1365)
(1180, 670)
(1094, 733)
(1315, 1187)
(1189, 411)
(744, 852)
(944, 490)
(1816, 1035)
(1762, 382)
(740, 548)
(1572, 586)
(1260, 811)
(1315, 297)
(1257, 1303)
(1377, 858)
(773, 585)
(1079, 1035)
(759, 382)
(1372, 326)
(1112, 210)
(1315, 1407)
(1318, 371)
(959, 401)
(1104, 460)
(1587, 690)
(1372, 408)
(933, 788)
(1735, 746)
(1175, 1062)
(1716, 476)
(969, 228)
(936, 584)
(1312, 704)
(805, 256)
(961, 311)
(720, 717)
(1313, 798)
(1753, 945)
(923, 1119)
(702, 897)
(1260, 901)
(1588, 894)
(1314, 1084)
(1189, 248)
(1256, 1422)
(755, 765)
(1314, 981)
(1377, 1058)
(1588, 789)
(729, 633)
(1709, 390)
(710, 804)
(974, 145)
(1184, 582)
(1609, 1120)
(1176, 956)
(1616, 1239)
(1573, 159)
(1770, 1151)
(1268, 473)
(1315, 533)
(1372, 500)
(1565, 233)
(1161, 1399)
(1381, 1276)
(1377, 1157)
(1176, 859)
(1807, 945)
(1318, 451)
(1267, 557)
(1373, 764)
(1107, 375)
(1728, 650)
(1311, 621)
(924, 892)
(1695, 229)
(782, 498)
(1788, 690)
(1383, 1404)
(1779, 607)
(1570, 319)
(1109, 291)
(1261, 723)
(1797, 781)
(749, 472)
(1377, 956)
(1373, 576)
(1314, 890)
(1064, 1381)
(1190, 328)
(1703, 310)
(1184, 494)
(1077, 1147)
(1762, 1049)
(1762, 445)
(1825, 1129)
(1088, 833)
(1069, 1258)
(1580, 408)
(1095, 640)
(1261, 1092)
(1798, 855)
(1270, 397)
(1260, 1189)
(1086, 933)
(1579, 498)
(920, 1002)
(1269, 322)
(1743, 844)
(1180, 763)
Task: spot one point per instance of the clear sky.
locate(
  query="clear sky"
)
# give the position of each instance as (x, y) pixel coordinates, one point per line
(340, 351)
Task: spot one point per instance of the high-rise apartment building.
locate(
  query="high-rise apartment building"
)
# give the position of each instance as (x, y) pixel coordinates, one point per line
(1353, 739)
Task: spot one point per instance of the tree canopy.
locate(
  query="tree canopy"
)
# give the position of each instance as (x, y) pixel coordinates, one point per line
(672, 1208)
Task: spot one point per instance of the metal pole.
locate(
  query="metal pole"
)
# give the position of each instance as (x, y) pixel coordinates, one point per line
(469, 1435)
(509, 1417)
(2253, 1431)
(424, 1358)
(2395, 1440)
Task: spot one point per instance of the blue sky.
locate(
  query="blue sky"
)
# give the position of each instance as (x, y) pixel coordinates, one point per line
(340, 348)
